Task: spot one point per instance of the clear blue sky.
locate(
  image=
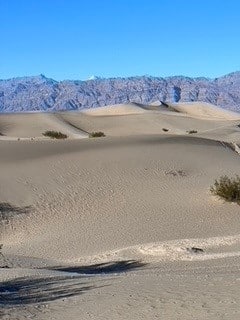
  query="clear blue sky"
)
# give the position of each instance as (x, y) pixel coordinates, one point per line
(74, 39)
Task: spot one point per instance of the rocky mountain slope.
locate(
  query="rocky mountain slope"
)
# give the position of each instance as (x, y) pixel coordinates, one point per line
(41, 93)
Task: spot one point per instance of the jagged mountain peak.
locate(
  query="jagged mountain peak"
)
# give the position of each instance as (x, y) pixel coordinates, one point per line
(30, 79)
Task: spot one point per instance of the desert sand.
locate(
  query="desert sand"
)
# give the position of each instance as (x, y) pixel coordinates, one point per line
(103, 228)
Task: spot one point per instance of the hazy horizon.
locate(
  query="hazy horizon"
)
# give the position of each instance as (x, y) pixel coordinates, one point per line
(123, 77)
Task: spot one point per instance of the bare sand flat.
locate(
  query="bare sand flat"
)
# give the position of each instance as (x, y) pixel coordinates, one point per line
(103, 228)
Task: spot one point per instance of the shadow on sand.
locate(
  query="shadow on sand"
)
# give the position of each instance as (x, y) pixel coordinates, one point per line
(25, 291)
(103, 268)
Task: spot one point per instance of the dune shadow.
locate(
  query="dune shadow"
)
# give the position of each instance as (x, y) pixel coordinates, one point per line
(103, 268)
(8, 210)
(26, 291)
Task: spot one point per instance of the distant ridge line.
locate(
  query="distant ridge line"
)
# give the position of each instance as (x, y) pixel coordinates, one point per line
(39, 93)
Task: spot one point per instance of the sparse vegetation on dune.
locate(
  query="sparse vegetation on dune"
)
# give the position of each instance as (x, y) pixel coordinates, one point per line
(165, 129)
(96, 134)
(227, 188)
(55, 134)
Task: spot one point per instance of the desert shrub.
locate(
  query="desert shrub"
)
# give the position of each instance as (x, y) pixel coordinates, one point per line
(8, 211)
(1, 134)
(55, 134)
(227, 188)
(192, 131)
(165, 129)
(96, 134)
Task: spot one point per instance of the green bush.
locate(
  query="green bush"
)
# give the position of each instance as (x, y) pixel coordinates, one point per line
(227, 188)
(96, 134)
(55, 134)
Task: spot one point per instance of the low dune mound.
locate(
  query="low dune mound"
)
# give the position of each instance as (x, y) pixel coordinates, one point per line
(204, 110)
(33, 125)
(117, 110)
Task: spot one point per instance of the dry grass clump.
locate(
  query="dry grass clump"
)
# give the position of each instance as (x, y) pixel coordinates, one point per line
(227, 188)
(192, 131)
(96, 134)
(55, 134)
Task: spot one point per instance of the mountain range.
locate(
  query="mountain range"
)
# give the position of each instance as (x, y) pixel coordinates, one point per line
(40, 93)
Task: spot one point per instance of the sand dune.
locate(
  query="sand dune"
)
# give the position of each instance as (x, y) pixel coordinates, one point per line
(204, 110)
(193, 109)
(148, 121)
(99, 189)
(125, 120)
(32, 125)
(114, 110)
(103, 228)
